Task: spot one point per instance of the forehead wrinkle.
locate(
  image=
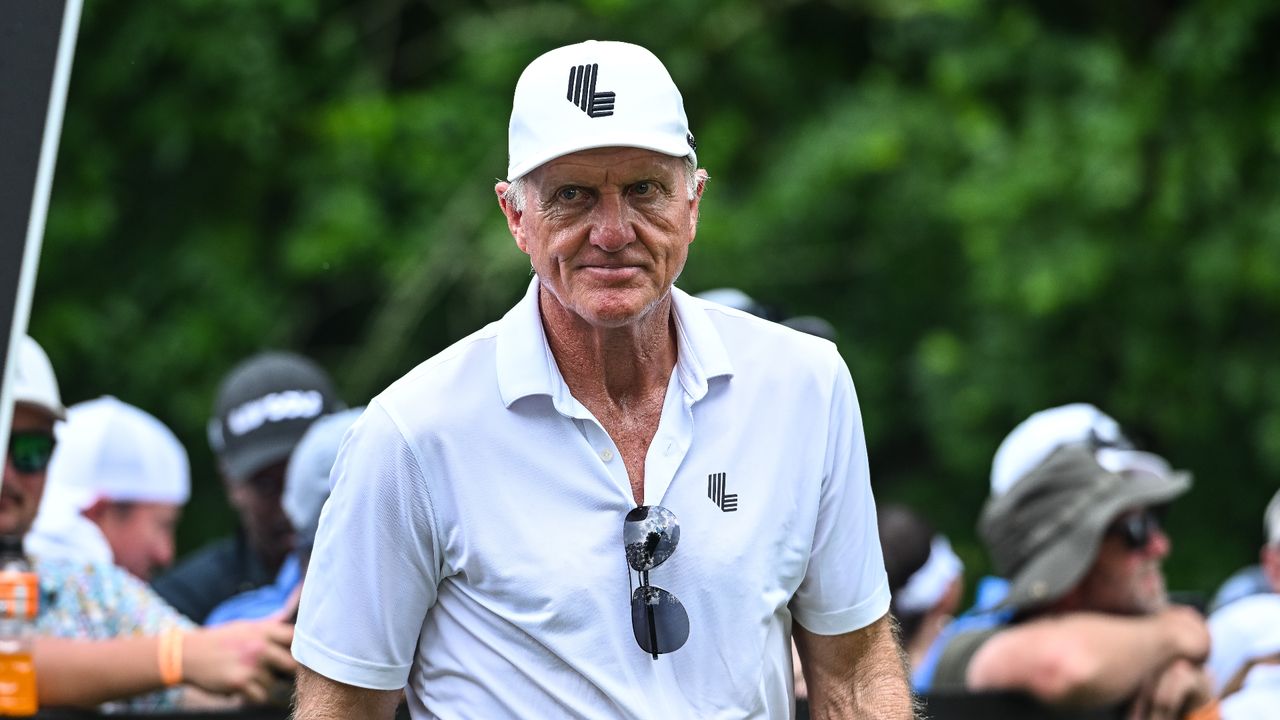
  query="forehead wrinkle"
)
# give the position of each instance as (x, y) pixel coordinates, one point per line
(580, 169)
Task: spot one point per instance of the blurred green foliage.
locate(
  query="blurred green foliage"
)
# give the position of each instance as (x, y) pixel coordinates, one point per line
(1002, 206)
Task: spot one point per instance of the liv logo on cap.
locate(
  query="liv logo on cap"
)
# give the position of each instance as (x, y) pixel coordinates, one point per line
(559, 107)
(582, 91)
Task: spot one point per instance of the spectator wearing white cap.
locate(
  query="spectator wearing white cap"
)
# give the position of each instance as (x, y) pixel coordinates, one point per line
(1088, 620)
(925, 576)
(102, 636)
(263, 407)
(117, 484)
(619, 500)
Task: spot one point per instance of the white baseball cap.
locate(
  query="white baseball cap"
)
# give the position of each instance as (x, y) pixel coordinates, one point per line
(595, 94)
(306, 480)
(33, 380)
(111, 450)
(1035, 439)
(1271, 520)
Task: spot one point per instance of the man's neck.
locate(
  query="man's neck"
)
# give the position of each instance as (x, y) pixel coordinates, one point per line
(617, 364)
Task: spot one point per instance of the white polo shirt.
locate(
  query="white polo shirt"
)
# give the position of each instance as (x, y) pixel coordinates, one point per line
(472, 551)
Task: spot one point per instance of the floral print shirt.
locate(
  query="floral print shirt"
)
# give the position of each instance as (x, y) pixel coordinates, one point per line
(97, 601)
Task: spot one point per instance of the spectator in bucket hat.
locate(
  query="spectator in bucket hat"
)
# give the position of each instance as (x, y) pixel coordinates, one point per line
(1090, 623)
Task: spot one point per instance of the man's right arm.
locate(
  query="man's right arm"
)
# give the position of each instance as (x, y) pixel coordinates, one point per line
(1087, 658)
(319, 698)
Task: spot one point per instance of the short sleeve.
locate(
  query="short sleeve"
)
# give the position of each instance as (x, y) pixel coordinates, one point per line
(845, 587)
(374, 569)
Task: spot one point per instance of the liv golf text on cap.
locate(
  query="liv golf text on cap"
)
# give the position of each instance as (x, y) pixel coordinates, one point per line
(591, 95)
(264, 406)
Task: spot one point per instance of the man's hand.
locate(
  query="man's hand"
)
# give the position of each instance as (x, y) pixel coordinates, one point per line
(1181, 687)
(238, 658)
(1189, 630)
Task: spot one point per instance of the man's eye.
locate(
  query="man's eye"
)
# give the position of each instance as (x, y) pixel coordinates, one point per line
(569, 193)
(643, 188)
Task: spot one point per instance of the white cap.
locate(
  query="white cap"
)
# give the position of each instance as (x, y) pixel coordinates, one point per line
(33, 380)
(926, 586)
(1035, 439)
(591, 95)
(734, 298)
(1271, 520)
(306, 479)
(110, 449)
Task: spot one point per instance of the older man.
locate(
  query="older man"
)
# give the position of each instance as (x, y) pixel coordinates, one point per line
(1080, 539)
(614, 501)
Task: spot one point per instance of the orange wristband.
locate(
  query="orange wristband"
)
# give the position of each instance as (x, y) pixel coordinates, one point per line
(169, 656)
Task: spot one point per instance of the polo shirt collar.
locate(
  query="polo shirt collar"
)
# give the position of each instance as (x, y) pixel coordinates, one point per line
(526, 366)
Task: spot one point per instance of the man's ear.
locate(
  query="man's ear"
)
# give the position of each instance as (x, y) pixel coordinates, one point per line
(97, 510)
(1270, 557)
(514, 217)
(696, 202)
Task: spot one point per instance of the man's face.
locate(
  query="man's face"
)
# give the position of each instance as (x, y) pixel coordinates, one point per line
(1127, 578)
(21, 492)
(607, 231)
(140, 533)
(257, 500)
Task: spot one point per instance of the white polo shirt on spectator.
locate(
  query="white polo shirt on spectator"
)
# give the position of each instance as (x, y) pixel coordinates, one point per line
(472, 552)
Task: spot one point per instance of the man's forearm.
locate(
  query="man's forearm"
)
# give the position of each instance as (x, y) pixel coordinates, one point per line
(862, 674)
(85, 673)
(319, 698)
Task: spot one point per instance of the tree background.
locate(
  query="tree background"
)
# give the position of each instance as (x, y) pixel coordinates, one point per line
(1001, 206)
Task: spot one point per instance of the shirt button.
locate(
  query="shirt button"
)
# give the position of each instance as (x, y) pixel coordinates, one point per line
(606, 455)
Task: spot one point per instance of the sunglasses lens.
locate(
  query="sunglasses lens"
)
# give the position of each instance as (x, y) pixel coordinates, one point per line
(658, 620)
(1136, 530)
(30, 452)
(650, 534)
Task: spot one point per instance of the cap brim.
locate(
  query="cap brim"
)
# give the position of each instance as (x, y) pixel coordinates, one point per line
(58, 411)
(1052, 573)
(244, 463)
(660, 143)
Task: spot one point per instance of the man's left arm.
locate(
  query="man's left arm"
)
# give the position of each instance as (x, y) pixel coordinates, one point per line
(859, 674)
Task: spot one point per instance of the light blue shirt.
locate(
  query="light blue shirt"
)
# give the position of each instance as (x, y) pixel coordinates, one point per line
(260, 602)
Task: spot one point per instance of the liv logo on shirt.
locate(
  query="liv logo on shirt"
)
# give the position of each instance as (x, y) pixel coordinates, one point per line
(727, 502)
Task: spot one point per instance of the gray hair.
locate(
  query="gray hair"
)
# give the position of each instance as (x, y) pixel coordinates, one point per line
(515, 192)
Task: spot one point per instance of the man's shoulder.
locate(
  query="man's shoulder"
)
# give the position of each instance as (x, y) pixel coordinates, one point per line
(468, 361)
(750, 340)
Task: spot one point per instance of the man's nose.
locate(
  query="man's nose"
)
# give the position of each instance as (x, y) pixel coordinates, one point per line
(611, 228)
(1159, 544)
(163, 555)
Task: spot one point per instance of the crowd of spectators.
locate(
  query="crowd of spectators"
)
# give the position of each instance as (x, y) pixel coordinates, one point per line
(1078, 615)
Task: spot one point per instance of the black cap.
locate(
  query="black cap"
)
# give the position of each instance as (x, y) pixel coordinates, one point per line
(263, 407)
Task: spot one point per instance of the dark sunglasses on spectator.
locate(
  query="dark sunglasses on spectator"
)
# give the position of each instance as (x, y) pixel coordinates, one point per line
(29, 451)
(650, 534)
(1136, 529)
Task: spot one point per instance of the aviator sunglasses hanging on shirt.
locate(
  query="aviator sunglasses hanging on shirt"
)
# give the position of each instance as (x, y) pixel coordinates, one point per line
(650, 534)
